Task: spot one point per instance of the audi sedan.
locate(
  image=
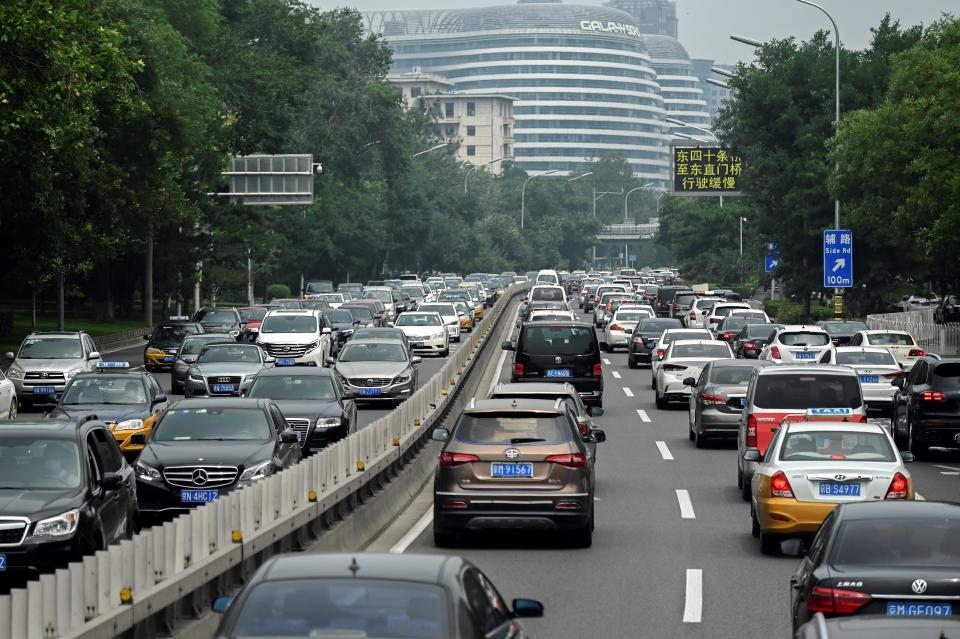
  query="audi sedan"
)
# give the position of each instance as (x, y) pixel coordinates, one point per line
(225, 369)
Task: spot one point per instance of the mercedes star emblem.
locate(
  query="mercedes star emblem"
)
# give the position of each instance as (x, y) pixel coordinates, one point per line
(200, 477)
(919, 586)
(511, 453)
(558, 359)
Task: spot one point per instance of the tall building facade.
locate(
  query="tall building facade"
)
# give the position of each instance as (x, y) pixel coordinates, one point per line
(658, 17)
(714, 95)
(679, 84)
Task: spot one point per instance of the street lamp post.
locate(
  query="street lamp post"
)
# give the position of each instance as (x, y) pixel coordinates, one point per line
(523, 193)
(433, 148)
(627, 197)
(474, 168)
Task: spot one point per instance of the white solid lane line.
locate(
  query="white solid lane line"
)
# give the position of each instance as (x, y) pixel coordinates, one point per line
(627, 392)
(693, 606)
(413, 533)
(686, 506)
(643, 416)
(664, 451)
(945, 467)
(919, 496)
(503, 357)
(606, 361)
(616, 375)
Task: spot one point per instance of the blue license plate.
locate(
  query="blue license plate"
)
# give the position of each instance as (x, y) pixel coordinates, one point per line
(3, 562)
(869, 379)
(286, 361)
(168, 358)
(224, 388)
(369, 392)
(804, 355)
(743, 402)
(511, 469)
(840, 489)
(417, 345)
(43, 390)
(918, 609)
(198, 496)
(558, 372)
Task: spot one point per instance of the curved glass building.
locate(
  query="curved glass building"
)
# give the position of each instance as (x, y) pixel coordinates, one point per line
(583, 80)
(679, 84)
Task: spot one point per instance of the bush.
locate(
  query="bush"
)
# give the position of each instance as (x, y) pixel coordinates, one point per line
(791, 312)
(277, 290)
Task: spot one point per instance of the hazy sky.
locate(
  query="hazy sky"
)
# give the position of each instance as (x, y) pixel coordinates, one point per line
(705, 25)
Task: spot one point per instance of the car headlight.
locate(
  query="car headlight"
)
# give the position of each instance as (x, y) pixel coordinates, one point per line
(328, 422)
(60, 526)
(129, 424)
(312, 346)
(438, 335)
(196, 377)
(234, 334)
(146, 473)
(249, 378)
(73, 372)
(154, 351)
(403, 379)
(257, 471)
(15, 372)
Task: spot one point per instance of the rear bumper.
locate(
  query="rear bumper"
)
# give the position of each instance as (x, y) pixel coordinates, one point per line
(502, 512)
(713, 422)
(936, 430)
(590, 389)
(791, 517)
(640, 355)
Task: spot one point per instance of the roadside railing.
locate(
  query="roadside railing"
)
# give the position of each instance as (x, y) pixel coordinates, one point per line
(142, 585)
(132, 335)
(942, 339)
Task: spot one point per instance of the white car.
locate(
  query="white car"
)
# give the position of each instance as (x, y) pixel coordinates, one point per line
(425, 331)
(551, 315)
(797, 344)
(547, 293)
(684, 360)
(721, 310)
(600, 312)
(294, 336)
(752, 313)
(449, 314)
(8, 398)
(668, 337)
(917, 303)
(901, 344)
(618, 331)
(876, 367)
(699, 310)
(334, 300)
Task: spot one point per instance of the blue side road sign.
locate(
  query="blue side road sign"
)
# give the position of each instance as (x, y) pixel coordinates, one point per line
(838, 258)
(773, 248)
(770, 262)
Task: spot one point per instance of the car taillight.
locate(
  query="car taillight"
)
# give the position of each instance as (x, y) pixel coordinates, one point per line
(456, 459)
(518, 370)
(836, 601)
(616, 327)
(895, 375)
(933, 396)
(774, 352)
(584, 428)
(750, 346)
(727, 336)
(572, 460)
(898, 487)
(713, 320)
(752, 431)
(660, 352)
(674, 367)
(916, 352)
(597, 370)
(713, 399)
(779, 486)
(674, 307)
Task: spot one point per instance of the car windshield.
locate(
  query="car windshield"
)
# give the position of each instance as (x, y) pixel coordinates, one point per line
(418, 319)
(889, 542)
(373, 352)
(514, 428)
(866, 358)
(844, 328)
(804, 339)
(723, 311)
(195, 424)
(255, 314)
(301, 387)
(946, 376)
(173, 333)
(105, 390)
(383, 296)
(413, 291)
(631, 316)
(546, 316)
(836, 446)
(319, 286)
(657, 325)
(546, 294)
(731, 375)
(216, 316)
(338, 316)
(289, 324)
(344, 608)
(219, 353)
(891, 339)
(443, 309)
(700, 350)
(362, 313)
(673, 336)
(38, 463)
(51, 348)
(707, 305)
(558, 340)
(315, 305)
(801, 391)
(750, 315)
(193, 345)
(290, 305)
(333, 298)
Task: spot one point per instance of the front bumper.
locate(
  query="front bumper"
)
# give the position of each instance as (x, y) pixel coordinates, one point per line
(514, 511)
(390, 392)
(453, 330)
(25, 392)
(33, 557)
(783, 515)
(133, 441)
(158, 497)
(159, 360)
(433, 345)
(196, 388)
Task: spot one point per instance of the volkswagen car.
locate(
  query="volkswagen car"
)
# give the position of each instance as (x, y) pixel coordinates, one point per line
(225, 369)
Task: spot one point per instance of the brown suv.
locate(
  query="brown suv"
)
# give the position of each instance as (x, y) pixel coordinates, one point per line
(514, 464)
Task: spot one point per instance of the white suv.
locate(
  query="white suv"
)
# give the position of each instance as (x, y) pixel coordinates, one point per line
(798, 345)
(296, 337)
(45, 363)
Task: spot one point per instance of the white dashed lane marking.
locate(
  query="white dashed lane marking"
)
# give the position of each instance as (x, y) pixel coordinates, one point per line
(643, 416)
(627, 392)
(686, 506)
(664, 451)
(693, 605)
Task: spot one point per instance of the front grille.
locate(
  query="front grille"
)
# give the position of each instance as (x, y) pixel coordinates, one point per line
(370, 381)
(12, 531)
(286, 350)
(301, 426)
(200, 476)
(224, 379)
(44, 377)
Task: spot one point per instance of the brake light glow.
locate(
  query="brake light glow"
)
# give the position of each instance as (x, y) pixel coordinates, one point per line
(750, 346)
(774, 352)
(916, 352)
(456, 459)
(660, 352)
(571, 460)
(836, 601)
(780, 486)
(674, 367)
(895, 375)
(584, 428)
(518, 370)
(933, 396)
(616, 327)
(693, 315)
(727, 336)
(752, 431)
(597, 370)
(713, 399)
(898, 487)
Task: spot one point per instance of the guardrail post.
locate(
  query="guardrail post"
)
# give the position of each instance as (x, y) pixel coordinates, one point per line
(64, 620)
(6, 617)
(18, 613)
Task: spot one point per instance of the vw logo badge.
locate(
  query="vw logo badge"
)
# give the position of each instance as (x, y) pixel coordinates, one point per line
(200, 477)
(558, 359)
(839, 477)
(511, 453)
(919, 586)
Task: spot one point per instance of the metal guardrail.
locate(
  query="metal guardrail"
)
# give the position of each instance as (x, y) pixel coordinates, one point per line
(141, 585)
(124, 336)
(943, 339)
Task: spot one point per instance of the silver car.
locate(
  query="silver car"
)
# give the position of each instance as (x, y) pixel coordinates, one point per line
(225, 369)
(45, 363)
(717, 398)
(685, 358)
(377, 370)
(876, 368)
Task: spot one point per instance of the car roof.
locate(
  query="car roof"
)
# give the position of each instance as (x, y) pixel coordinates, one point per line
(865, 349)
(404, 567)
(686, 342)
(534, 388)
(572, 323)
(55, 427)
(219, 402)
(292, 311)
(296, 371)
(882, 331)
(853, 427)
(545, 406)
(752, 363)
(808, 328)
(899, 509)
(56, 334)
(820, 369)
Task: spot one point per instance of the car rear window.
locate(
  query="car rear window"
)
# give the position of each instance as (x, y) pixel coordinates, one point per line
(836, 446)
(888, 542)
(684, 298)
(672, 337)
(707, 305)
(801, 391)
(513, 428)
(731, 375)
(865, 358)
(947, 376)
(657, 325)
(558, 340)
(844, 328)
(723, 311)
(801, 338)
(547, 295)
(761, 330)
(700, 350)
(891, 339)
(631, 316)
(733, 323)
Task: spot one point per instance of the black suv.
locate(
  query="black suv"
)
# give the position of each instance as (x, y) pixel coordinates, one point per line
(664, 301)
(644, 338)
(220, 320)
(927, 405)
(681, 303)
(65, 491)
(948, 310)
(559, 352)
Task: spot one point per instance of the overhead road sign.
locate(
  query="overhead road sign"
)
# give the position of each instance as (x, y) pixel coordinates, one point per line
(770, 262)
(838, 258)
(276, 180)
(706, 170)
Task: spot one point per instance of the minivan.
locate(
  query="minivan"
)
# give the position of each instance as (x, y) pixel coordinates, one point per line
(548, 276)
(665, 296)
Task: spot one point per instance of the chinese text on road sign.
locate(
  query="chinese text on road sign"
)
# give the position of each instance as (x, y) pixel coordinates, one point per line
(837, 258)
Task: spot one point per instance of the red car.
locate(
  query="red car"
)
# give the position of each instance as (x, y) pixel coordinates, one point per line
(253, 316)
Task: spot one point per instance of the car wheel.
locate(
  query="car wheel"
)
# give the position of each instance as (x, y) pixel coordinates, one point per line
(445, 352)
(444, 538)
(769, 544)
(12, 413)
(661, 402)
(899, 432)
(692, 436)
(653, 380)
(745, 488)
(739, 478)
(920, 451)
(605, 347)
(583, 538)
(755, 524)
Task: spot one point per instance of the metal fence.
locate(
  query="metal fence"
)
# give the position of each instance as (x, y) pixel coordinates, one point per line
(132, 335)
(138, 582)
(942, 339)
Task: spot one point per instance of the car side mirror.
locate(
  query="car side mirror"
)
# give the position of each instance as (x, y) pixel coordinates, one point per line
(220, 604)
(289, 437)
(93, 355)
(899, 382)
(597, 435)
(326, 330)
(751, 456)
(793, 548)
(349, 394)
(507, 346)
(159, 399)
(416, 359)
(111, 481)
(440, 435)
(907, 457)
(270, 360)
(690, 381)
(527, 608)
(8, 355)
(594, 411)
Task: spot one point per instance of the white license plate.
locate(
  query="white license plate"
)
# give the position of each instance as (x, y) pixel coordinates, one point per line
(43, 390)
(198, 496)
(224, 388)
(509, 470)
(918, 609)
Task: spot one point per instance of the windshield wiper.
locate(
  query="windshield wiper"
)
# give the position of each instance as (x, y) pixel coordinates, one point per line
(526, 440)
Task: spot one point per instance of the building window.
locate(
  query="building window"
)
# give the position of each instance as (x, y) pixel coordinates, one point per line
(471, 108)
(414, 92)
(506, 150)
(448, 109)
(451, 131)
(435, 107)
(471, 150)
(471, 131)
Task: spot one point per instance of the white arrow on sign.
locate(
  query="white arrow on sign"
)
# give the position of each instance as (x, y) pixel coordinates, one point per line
(839, 263)
(773, 263)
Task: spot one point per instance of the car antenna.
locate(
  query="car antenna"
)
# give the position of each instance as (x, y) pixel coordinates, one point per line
(354, 567)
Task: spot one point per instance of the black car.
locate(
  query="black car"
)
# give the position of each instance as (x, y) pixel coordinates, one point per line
(187, 356)
(366, 312)
(220, 320)
(65, 491)
(162, 344)
(877, 627)
(842, 330)
(729, 327)
(312, 401)
(343, 323)
(559, 352)
(202, 448)
(926, 406)
(892, 558)
(682, 300)
(644, 338)
(371, 595)
(663, 304)
(752, 338)
(948, 310)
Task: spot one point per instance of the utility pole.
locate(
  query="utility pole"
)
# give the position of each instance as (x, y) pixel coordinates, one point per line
(148, 278)
(249, 278)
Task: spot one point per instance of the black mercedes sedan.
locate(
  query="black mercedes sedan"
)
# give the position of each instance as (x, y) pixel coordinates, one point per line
(203, 448)
(891, 558)
(312, 400)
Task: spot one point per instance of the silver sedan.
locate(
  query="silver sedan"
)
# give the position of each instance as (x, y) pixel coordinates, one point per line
(225, 369)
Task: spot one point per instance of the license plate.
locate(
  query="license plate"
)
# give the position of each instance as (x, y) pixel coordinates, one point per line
(43, 390)
(869, 379)
(168, 358)
(558, 372)
(286, 361)
(369, 392)
(742, 401)
(198, 496)
(511, 469)
(840, 489)
(418, 345)
(3, 562)
(804, 355)
(223, 388)
(919, 609)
